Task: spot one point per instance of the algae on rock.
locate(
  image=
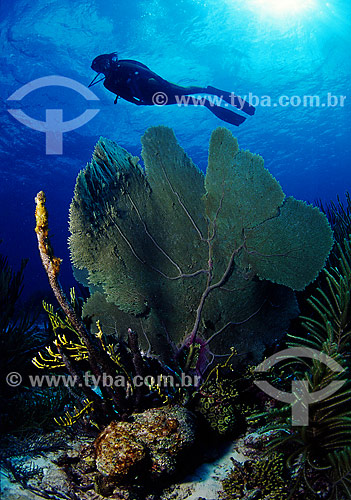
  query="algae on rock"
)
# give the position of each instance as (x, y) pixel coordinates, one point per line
(150, 445)
(184, 257)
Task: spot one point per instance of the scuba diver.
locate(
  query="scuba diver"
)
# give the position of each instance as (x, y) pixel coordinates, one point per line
(136, 83)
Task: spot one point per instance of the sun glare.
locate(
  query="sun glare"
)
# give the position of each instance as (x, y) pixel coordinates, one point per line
(283, 7)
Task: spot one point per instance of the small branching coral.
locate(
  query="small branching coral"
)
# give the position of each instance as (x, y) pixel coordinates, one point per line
(262, 478)
(70, 419)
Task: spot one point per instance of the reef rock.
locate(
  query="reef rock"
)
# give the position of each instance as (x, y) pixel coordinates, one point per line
(117, 451)
(151, 443)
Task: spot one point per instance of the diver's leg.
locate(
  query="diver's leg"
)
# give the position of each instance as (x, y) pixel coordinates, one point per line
(174, 91)
(232, 99)
(193, 89)
(229, 97)
(222, 113)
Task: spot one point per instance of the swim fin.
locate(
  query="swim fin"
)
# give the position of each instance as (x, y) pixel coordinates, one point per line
(233, 99)
(224, 114)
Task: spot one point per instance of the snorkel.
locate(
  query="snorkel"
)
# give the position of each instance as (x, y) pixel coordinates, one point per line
(93, 82)
(102, 65)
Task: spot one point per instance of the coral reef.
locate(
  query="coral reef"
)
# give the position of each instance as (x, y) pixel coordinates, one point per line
(118, 452)
(196, 265)
(217, 400)
(217, 407)
(257, 479)
(149, 445)
(319, 454)
(185, 257)
(130, 459)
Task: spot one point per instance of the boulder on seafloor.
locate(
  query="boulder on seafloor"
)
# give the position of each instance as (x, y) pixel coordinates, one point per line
(150, 444)
(118, 453)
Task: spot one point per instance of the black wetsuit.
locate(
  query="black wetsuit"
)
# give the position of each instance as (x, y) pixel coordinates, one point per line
(136, 83)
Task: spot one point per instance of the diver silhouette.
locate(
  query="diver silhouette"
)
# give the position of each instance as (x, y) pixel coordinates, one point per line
(136, 83)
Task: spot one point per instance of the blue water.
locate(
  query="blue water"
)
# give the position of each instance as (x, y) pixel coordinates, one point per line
(241, 46)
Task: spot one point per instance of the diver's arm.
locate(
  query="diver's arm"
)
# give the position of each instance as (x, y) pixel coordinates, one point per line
(115, 84)
(127, 96)
(133, 100)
